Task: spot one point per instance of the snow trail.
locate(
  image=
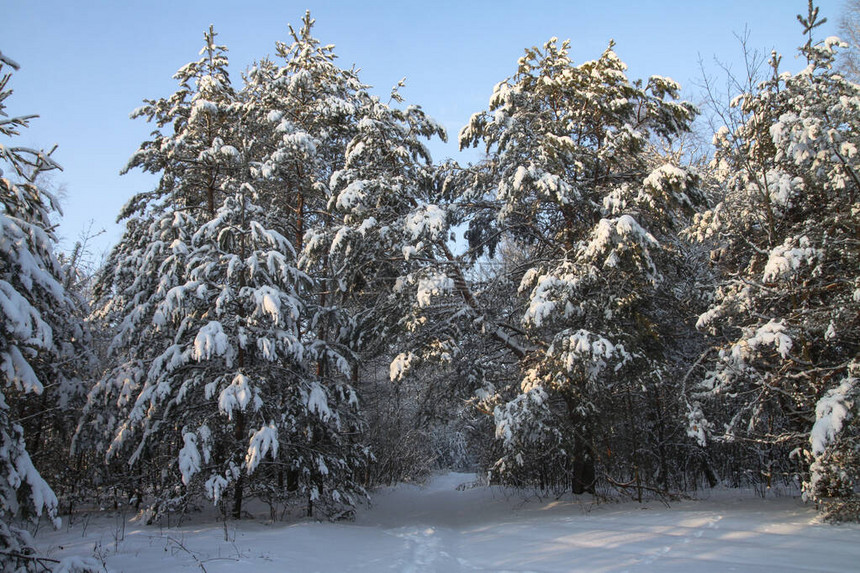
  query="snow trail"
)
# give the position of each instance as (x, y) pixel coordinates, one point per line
(448, 526)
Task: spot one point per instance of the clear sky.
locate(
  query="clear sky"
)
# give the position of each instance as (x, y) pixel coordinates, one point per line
(86, 64)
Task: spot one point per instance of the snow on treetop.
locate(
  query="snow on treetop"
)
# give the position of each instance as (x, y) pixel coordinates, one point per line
(834, 41)
(202, 106)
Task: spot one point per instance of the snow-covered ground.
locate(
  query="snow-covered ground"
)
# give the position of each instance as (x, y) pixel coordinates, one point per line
(442, 528)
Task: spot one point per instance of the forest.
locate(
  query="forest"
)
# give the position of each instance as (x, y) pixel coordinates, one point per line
(307, 307)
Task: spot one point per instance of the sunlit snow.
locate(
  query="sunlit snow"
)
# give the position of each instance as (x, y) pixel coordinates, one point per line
(450, 526)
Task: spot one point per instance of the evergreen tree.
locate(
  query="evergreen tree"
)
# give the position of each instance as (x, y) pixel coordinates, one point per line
(786, 241)
(301, 114)
(386, 229)
(351, 178)
(212, 324)
(577, 183)
(388, 235)
(39, 336)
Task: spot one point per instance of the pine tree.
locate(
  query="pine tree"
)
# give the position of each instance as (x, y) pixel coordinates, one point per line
(148, 264)
(214, 321)
(578, 185)
(39, 335)
(386, 228)
(302, 114)
(786, 241)
(349, 174)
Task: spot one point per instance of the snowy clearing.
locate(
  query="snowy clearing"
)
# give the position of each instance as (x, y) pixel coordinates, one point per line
(442, 528)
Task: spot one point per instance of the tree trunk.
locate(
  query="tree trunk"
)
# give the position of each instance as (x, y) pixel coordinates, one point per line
(238, 490)
(300, 222)
(583, 468)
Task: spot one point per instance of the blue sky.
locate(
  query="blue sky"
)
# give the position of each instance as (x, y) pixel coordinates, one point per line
(87, 64)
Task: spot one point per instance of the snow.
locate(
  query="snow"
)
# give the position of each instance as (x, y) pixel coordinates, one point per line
(204, 107)
(318, 402)
(21, 471)
(429, 219)
(787, 258)
(352, 196)
(586, 349)
(622, 233)
(400, 366)
(235, 396)
(449, 526)
(519, 177)
(367, 225)
(214, 487)
(18, 371)
(263, 441)
(21, 319)
(189, 457)
(268, 301)
(831, 411)
(301, 142)
(210, 341)
(434, 285)
(771, 334)
(668, 174)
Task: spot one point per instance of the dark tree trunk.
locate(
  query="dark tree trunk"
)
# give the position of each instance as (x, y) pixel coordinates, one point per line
(238, 490)
(583, 469)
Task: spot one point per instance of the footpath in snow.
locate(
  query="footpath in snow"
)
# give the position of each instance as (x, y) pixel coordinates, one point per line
(445, 528)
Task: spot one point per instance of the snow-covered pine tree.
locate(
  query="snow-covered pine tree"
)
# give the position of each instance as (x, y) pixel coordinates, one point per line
(187, 148)
(579, 187)
(301, 110)
(787, 240)
(147, 269)
(213, 323)
(39, 334)
(387, 229)
(351, 176)
(388, 236)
